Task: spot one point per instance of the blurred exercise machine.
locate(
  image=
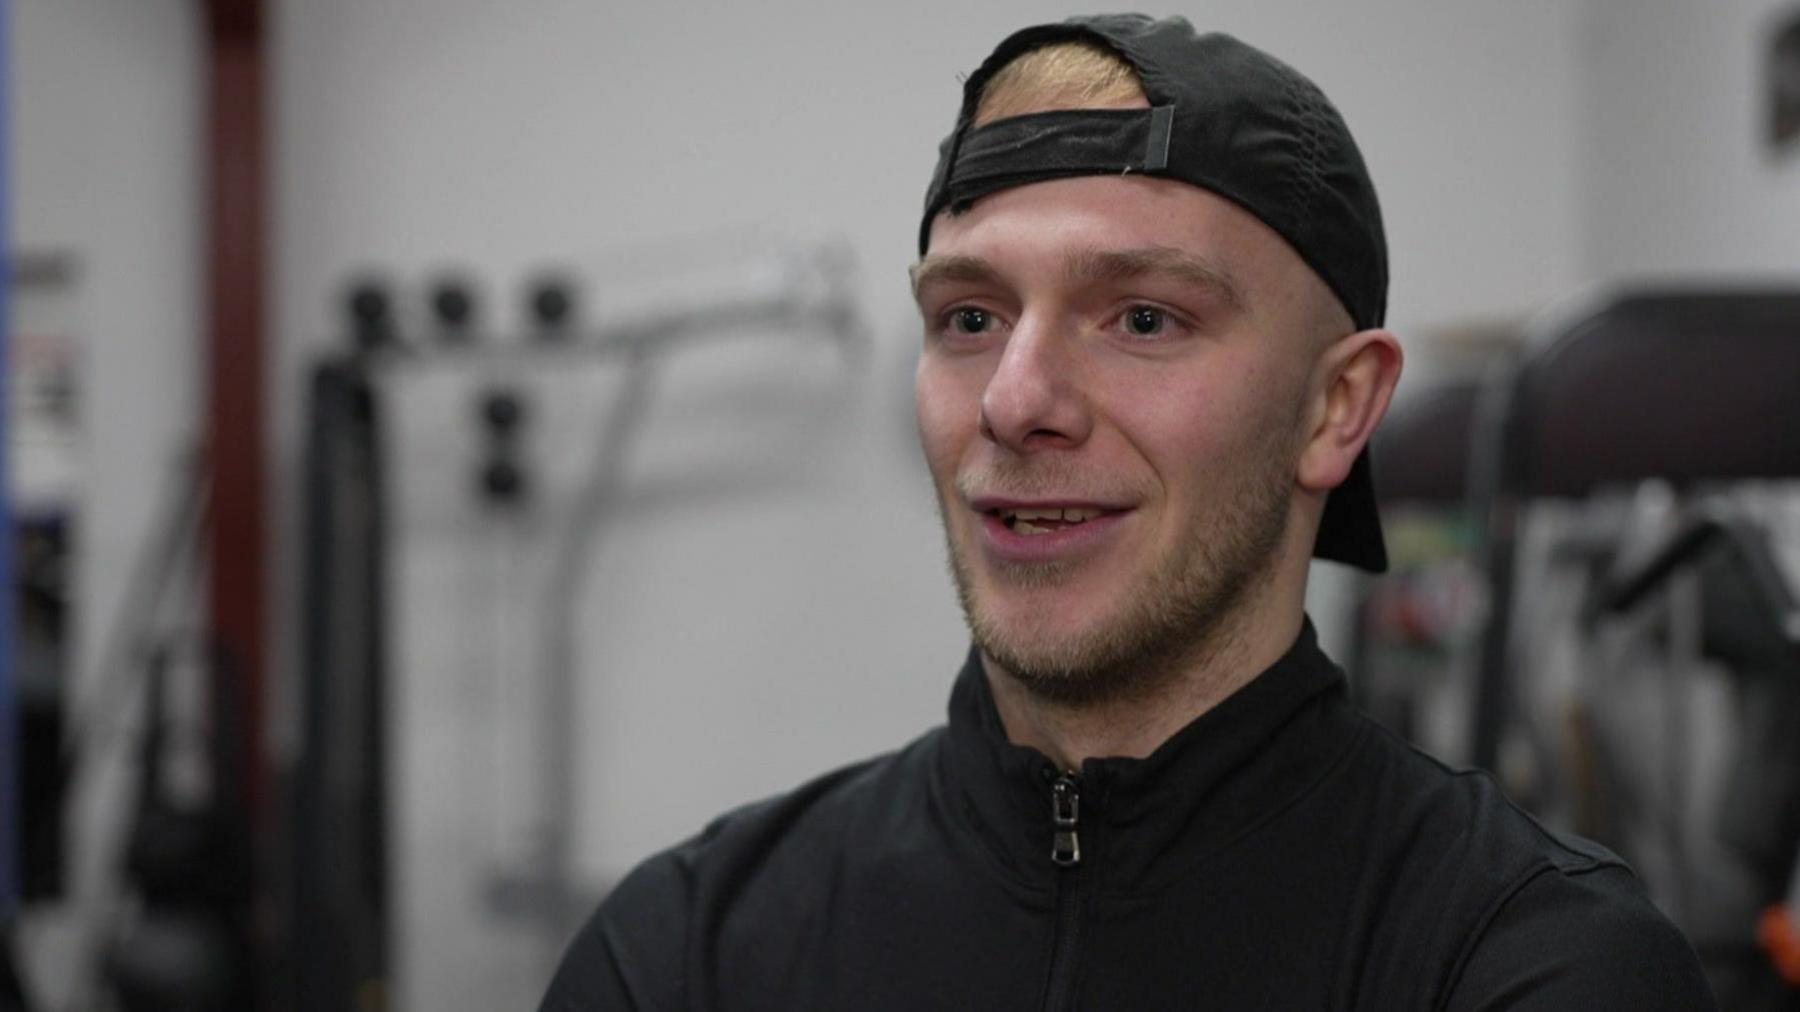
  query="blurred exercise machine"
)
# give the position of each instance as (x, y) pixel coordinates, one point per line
(339, 896)
(1692, 389)
(170, 924)
(1595, 542)
(1412, 639)
(1630, 662)
(342, 892)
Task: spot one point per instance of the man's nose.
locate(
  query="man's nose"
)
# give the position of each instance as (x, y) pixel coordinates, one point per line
(1034, 399)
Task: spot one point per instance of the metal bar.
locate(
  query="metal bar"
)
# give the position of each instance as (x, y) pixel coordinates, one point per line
(630, 338)
(595, 505)
(10, 749)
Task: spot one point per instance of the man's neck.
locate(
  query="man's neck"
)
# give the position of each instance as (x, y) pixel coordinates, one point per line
(1136, 725)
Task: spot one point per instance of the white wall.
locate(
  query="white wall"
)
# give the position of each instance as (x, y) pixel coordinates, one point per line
(1676, 178)
(414, 131)
(738, 643)
(105, 122)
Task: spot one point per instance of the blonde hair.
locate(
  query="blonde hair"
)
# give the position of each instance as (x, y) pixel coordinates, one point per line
(1062, 75)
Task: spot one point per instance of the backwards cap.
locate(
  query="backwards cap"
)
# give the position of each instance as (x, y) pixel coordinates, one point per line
(1225, 117)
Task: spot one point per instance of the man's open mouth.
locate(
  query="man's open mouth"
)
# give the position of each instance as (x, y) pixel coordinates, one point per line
(1044, 520)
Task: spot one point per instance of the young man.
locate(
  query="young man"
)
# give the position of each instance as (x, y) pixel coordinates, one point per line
(1152, 282)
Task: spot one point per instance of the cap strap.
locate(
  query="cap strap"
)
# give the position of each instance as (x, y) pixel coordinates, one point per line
(1162, 123)
(1049, 145)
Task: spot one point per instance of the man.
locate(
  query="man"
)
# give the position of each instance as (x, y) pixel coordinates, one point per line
(1152, 282)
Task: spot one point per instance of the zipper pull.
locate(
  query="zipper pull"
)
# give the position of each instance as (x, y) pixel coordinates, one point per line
(1065, 813)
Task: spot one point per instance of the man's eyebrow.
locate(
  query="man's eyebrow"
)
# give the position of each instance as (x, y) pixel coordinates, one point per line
(946, 268)
(1128, 264)
(1090, 266)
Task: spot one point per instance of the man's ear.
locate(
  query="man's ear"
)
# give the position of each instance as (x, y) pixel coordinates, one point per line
(1360, 371)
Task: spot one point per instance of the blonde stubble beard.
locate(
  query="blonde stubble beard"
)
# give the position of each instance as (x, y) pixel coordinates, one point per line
(1186, 610)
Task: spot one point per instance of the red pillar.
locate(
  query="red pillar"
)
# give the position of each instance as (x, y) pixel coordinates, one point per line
(236, 203)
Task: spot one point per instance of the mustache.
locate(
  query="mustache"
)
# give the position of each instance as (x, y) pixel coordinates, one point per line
(1044, 476)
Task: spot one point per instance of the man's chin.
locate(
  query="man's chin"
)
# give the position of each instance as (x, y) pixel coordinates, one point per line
(1036, 650)
(1056, 657)
(1066, 677)
(1067, 631)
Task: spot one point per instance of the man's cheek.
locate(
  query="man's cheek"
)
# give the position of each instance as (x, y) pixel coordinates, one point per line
(948, 414)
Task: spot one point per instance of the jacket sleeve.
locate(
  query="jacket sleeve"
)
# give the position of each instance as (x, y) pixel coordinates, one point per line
(1586, 940)
(630, 954)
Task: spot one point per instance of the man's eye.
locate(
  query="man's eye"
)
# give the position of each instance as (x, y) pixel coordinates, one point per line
(969, 320)
(1145, 321)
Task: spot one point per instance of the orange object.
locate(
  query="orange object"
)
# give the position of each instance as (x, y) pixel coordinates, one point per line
(1780, 938)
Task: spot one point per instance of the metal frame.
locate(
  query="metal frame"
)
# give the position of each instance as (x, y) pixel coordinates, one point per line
(545, 893)
(1691, 385)
(10, 805)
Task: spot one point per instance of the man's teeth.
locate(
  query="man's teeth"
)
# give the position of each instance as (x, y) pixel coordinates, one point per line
(1018, 521)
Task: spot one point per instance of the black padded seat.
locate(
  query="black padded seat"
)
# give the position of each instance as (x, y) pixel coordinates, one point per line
(1690, 387)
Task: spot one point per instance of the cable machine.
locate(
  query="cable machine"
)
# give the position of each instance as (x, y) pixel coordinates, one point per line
(342, 889)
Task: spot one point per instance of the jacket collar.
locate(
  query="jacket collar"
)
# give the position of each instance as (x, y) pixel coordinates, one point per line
(1211, 783)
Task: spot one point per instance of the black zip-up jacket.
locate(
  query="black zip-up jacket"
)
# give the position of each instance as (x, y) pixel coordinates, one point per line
(1280, 852)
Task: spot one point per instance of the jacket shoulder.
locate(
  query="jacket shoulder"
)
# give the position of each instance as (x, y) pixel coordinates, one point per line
(633, 952)
(1580, 939)
(1467, 818)
(1545, 920)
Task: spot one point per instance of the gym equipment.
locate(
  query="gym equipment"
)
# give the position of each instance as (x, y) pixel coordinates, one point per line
(1750, 622)
(503, 480)
(1687, 388)
(175, 931)
(12, 986)
(343, 892)
(188, 945)
(1782, 77)
(1424, 445)
(1630, 473)
(552, 308)
(453, 309)
(338, 921)
(372, 326)
(1703, 797)
(10, 750)
(1408, 652)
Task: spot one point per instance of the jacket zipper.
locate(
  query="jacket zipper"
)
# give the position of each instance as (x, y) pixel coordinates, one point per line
(1065, 853)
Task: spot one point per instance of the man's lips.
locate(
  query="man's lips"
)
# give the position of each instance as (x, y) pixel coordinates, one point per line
(1044, 529)
(994, 503)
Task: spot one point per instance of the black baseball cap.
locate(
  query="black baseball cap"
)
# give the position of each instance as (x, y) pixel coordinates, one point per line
(1223, 116)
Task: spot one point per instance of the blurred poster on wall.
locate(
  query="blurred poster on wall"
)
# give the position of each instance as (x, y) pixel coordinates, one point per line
(45, 460)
